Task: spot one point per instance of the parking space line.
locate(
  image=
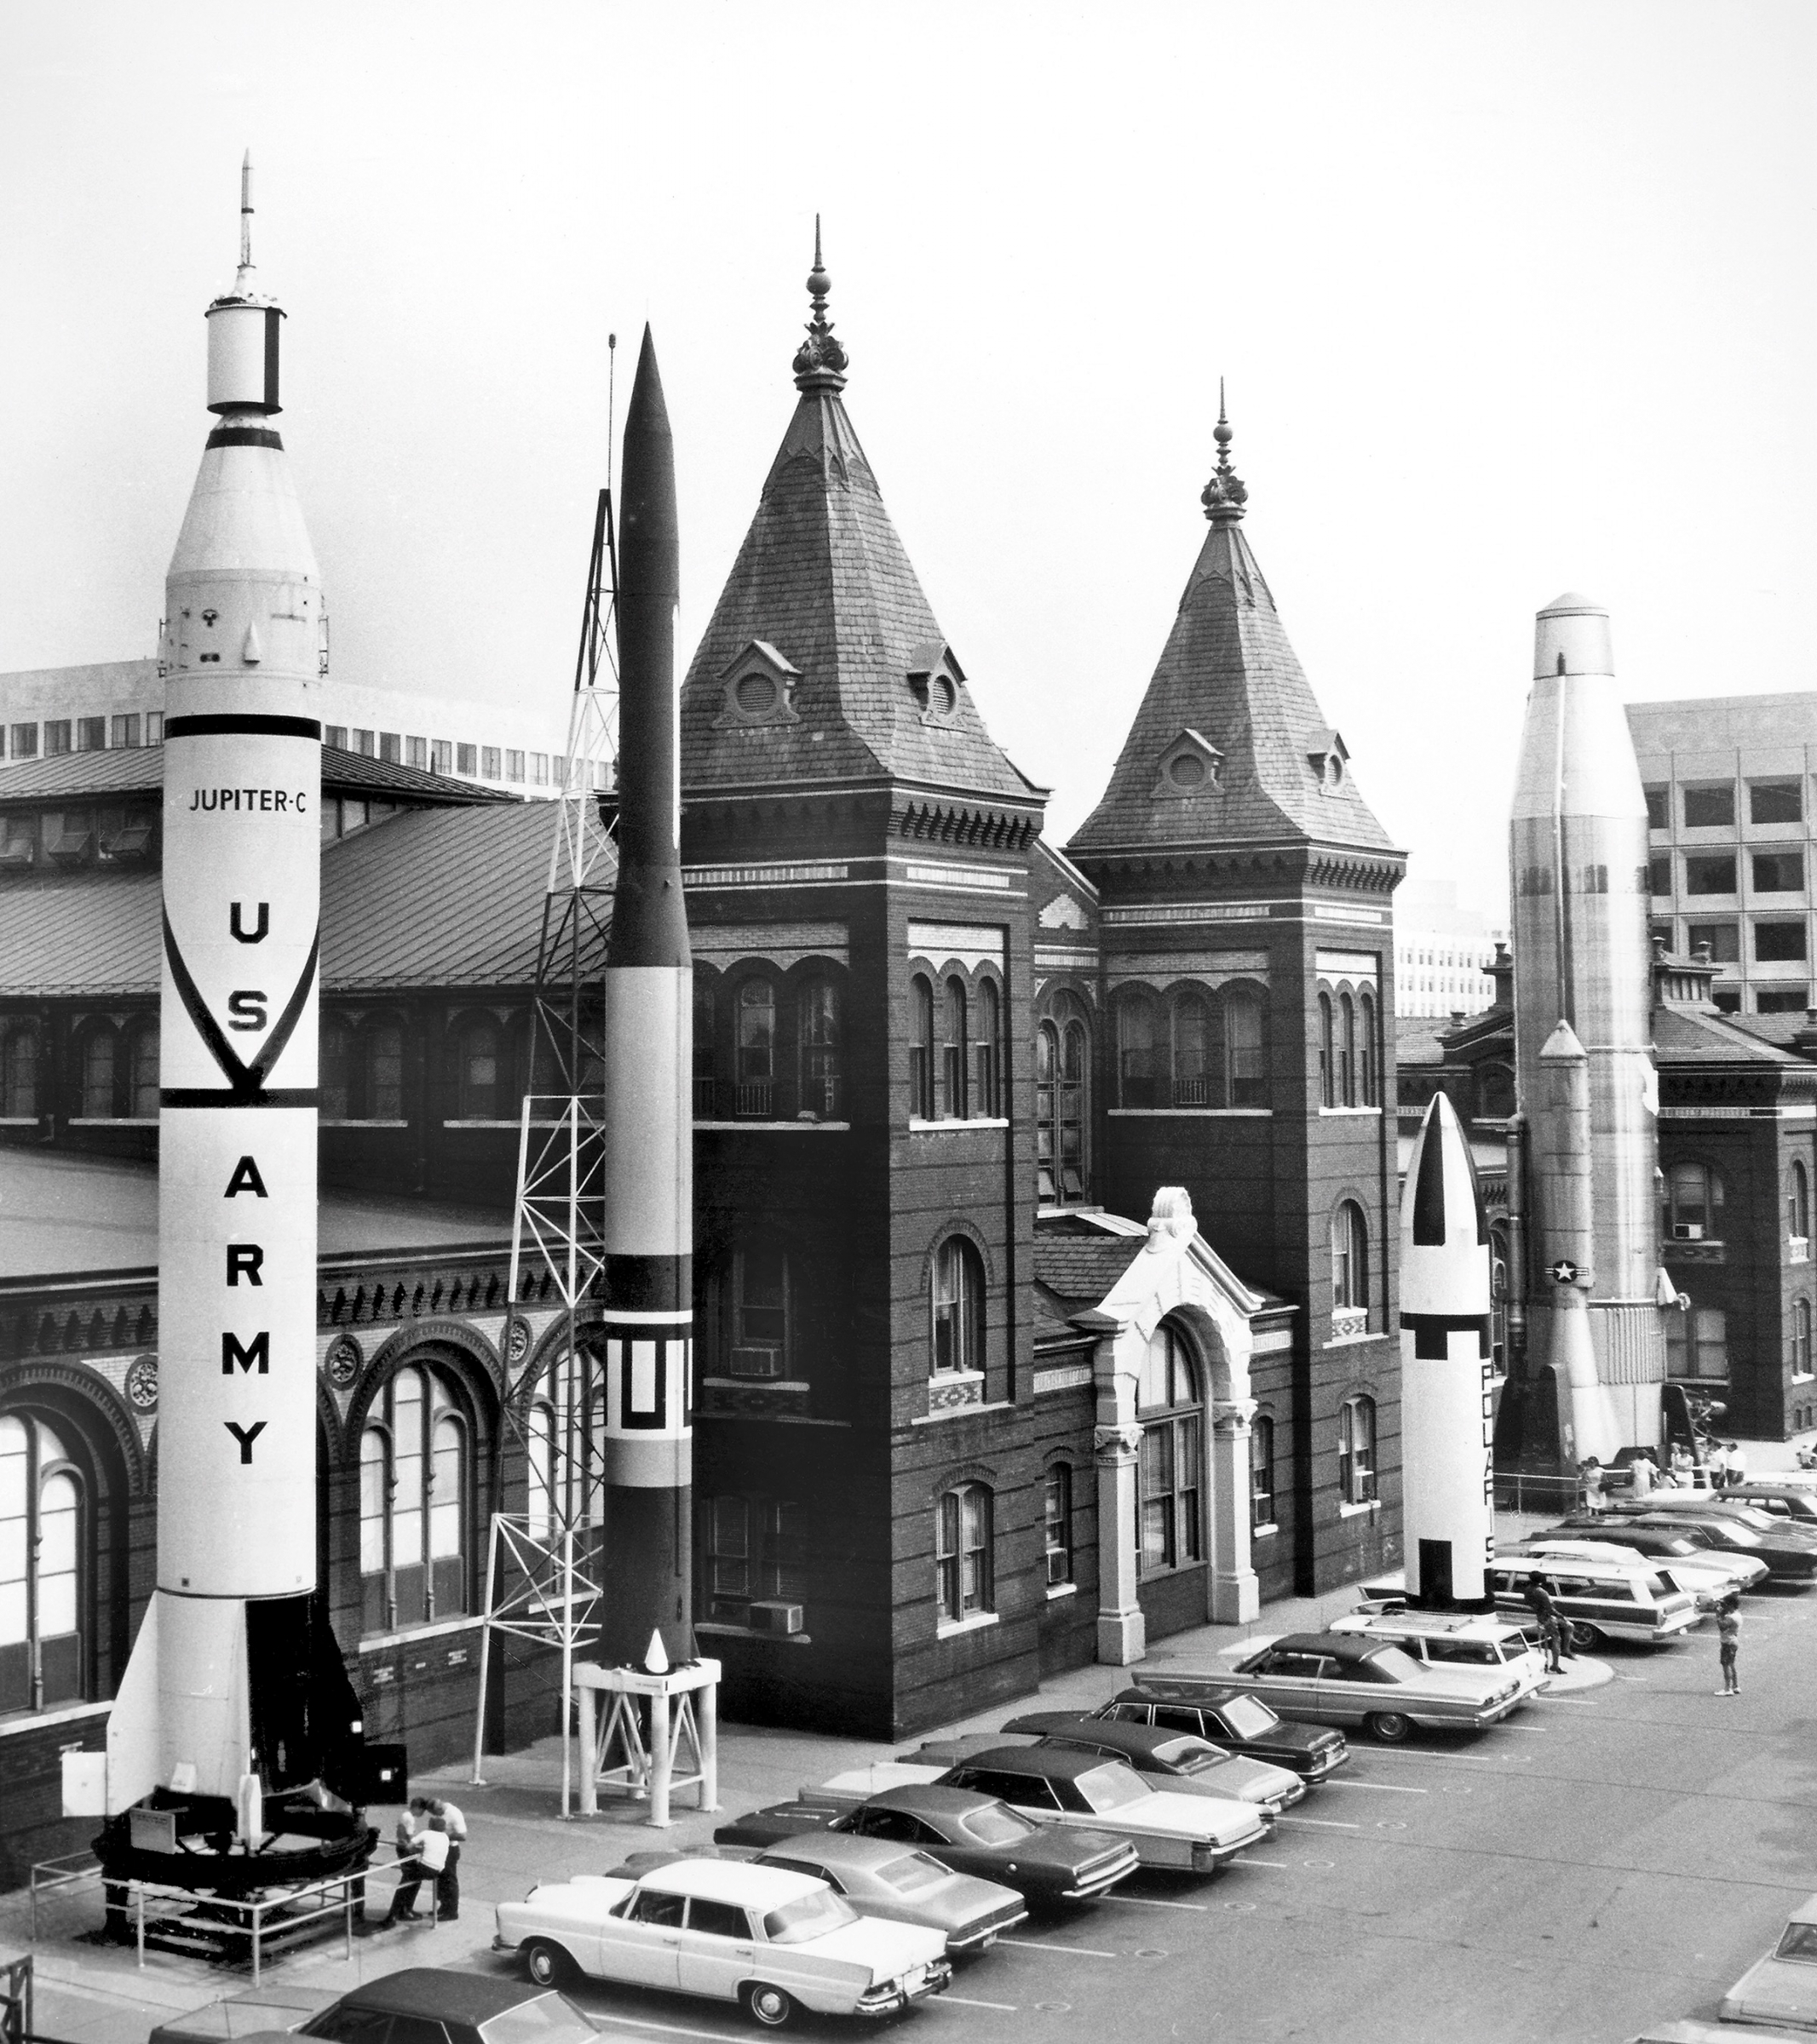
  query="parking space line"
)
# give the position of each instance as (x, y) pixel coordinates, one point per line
(1327, 1824)
(1079, 1951)
(1009, 2009)
(1244, 1860)
(1148, 1902)
(1386, 1789)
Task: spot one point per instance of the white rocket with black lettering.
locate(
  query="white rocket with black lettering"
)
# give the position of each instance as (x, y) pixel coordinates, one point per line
(218, 1698)
(1446, 1447)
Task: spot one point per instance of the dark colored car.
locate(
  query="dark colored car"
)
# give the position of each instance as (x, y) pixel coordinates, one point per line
(971, 1834)
(1242, 1724)
(1176, 1760)
(1793, 1502)
(1789, 1555)
(421, 2005)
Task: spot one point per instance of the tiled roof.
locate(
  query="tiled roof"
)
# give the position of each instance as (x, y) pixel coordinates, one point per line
(1228, 673)
(140, 770)
(1690, 1036)
(1081, 1269)
(431, 898)
(823, 580)
(1417, 1041)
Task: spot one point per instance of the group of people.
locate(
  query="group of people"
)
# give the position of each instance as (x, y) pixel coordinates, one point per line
(1541, 1595)
(1724, 1464)
(430, 1836)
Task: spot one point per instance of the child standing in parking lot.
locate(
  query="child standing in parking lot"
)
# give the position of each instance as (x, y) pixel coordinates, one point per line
(1728, 1644)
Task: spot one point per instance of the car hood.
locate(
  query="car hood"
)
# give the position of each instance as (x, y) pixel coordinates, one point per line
(887, 1947)
(1774, 1991)
(1248, 1780)
(1165, 1814)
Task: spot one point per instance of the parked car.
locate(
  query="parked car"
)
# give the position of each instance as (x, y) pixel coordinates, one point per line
(1336, 1678)
(1476, 1639)
(1775, 1495)
(1052, 1785)
(1699, 1507)
(878, 1878)
(1208, 1706)
(467, 2008)
(1790, 1556)
(1180, 1761)
(1782, 1986)
(771, 1940)
(1604, 1599)
(1678, 1551)
(1045, 1864)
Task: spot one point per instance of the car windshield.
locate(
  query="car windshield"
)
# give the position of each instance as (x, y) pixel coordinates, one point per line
(1246, 1718)
(913, 1872)
(549, 2019)
(811, 1916)
(1111, 1786)
(1191, 1756)
(997, 1824)
(1799, 1942)
(1750, 1515)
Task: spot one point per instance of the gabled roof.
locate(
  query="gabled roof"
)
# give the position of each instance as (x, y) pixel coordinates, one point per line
(1227, 672)
(1695, 1037)
(140, 770)
(823, 579)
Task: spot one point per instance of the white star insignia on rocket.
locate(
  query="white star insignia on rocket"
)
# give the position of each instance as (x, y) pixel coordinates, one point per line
(1564, 1270)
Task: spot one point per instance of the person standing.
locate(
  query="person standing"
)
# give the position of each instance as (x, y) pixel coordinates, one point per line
(1715, 1461)
(1592, 1475)
(448, 1880)
(1728, 1644)
(1538, 1597)
(1738, 1465)
(1640, 1471)
(415, 1828)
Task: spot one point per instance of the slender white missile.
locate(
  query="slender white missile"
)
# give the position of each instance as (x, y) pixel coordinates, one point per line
(1577, 853)
(1446, 1370)
(648, 1217)
(234, 1690)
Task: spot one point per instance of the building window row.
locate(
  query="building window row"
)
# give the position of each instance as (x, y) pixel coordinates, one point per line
(1718, 872)
(1349, 1065)
(414, 1503)
(124, 731)
(768, 1046)
(1196, 1049)
(955, 1048)
(453, 756)
(1710, 805)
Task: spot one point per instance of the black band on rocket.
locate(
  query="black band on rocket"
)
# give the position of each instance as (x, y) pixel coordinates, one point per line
(244, 436)
(239, 724)
(650, 1284)
(223, 1096)
(1429, 1332)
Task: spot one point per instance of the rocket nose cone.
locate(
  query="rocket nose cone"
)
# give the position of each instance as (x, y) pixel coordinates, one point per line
(1442, 1206)
(1573, 605)
(647, 412)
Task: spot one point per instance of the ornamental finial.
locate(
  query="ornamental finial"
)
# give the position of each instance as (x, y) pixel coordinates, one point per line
(820, 360)
(1226, 494)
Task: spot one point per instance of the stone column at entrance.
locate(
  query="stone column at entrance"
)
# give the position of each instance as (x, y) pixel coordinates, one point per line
(1123, 1633)
(1236, 1597)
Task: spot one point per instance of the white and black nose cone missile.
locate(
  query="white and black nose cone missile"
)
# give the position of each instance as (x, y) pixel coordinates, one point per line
(1446, 1367)
(222, 1695)
(648, 1221)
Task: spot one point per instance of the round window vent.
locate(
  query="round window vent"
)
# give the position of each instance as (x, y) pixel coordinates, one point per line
(943, 695)
(1189, 770)
(755, 694)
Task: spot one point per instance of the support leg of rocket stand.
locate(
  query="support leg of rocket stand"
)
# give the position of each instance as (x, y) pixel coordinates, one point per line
(662, 1759)
(589, 1754)
(707, 1701)
(478, 1776)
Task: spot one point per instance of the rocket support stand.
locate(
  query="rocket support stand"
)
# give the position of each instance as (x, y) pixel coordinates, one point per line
(692, 1691)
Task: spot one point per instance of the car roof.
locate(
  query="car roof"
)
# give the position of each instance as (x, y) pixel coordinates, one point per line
(1339, 1646)
(1454, 1625)
(1206, 1691)
(1053, 1761)
(931, 1799)
(439, 1991)
(736, 1880)
(1116, 1731)
(838, 1849)
(1806, 1911)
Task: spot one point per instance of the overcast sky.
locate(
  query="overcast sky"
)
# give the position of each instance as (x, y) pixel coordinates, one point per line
(1510, 299)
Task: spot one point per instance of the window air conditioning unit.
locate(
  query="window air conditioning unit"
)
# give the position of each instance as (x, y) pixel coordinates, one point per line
(773, 1614)
(757, 1362)
(1059, 1567)
(1687, 1230)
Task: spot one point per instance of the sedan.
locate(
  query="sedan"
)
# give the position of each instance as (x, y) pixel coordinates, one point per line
(1781, 1987)
(1177, 1760)
(467, 2008)
(879, 1879)
(770, 1939)
(1051, 1785)
(980, 1834)
(1790, 1558)
(1346, 1678)
(1796, 1502)
(1211, 1710)
(1681, 1552)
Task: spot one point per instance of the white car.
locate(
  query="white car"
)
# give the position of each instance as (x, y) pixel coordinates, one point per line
(1780, 1988)
(770, 1939)
(1703, 1572)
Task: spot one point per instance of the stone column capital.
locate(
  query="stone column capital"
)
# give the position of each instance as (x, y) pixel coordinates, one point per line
(1112, 1444)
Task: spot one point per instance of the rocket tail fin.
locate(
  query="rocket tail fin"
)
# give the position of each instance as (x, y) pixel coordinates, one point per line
(132, 1724)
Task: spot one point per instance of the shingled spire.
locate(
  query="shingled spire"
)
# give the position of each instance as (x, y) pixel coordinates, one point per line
(1229, 745)
(824, 659)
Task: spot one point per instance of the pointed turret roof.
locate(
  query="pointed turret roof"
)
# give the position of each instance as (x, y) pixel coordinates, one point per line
(824, 659)
(1229, 745)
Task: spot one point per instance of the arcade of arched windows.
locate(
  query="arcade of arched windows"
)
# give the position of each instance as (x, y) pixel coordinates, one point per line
(769, 1041)
(1194, 1046)
(1346, 1022)
(957, 1062)
(1063, 1055)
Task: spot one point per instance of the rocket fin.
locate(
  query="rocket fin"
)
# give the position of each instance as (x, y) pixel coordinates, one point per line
(205, 1691)
(132, 1724)
(251, 653)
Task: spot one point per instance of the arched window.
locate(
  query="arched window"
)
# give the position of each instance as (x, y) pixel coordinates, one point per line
(1371, 1063)
(43, 1590)
(336, 1096)
(539, 1459)
(1260, 1472)
(1798, 1203)
(97, 1074)
(1169, 1404)
(1801, 1337)
(476, 1072)
(1693, 1204)
(1047, 1107)
(1075, 1075)
(415, 1502)
(962, 1553)
(19, 1074)
(987, 1052)
(957, 1306)
(953, 1053)
(1349, 1270)
(1327, 1090)
(143, 1073)
(1356, 1450)
(756, 1024)
(1245, 1047)
(921, 1047)
(1495, 1093)
(1193, 1073)
(820, 1077)
(1056, 1517)
(1135, 1051)
(1062, 1060)
(705, 1048)
(1346, 1051)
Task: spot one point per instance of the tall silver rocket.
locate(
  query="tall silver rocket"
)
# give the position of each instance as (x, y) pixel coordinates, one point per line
(234, 1690)
(648, 1220)
(1578, 880)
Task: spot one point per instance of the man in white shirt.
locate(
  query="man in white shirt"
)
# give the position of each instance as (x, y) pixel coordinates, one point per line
(446, 1818)
(1738, 1464)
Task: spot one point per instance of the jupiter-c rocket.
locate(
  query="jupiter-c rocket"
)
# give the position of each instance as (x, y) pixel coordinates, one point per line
(235, 1692)
(648, 1220)
(1578, 855)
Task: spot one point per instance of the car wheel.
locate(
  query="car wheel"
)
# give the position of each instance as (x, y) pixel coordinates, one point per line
(547, 1964)
(1587, 1638)
(1389, 1726)
(768, 2007)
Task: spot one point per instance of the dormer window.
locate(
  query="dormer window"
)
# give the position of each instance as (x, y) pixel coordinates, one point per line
(760, 686)
(1327, 754)
(1189, 766)
(934, 679)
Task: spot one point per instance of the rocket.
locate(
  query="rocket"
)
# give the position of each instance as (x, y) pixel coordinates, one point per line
(1578, 857)
(235, 1691)
(1446, 1372)
(647, 1221)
